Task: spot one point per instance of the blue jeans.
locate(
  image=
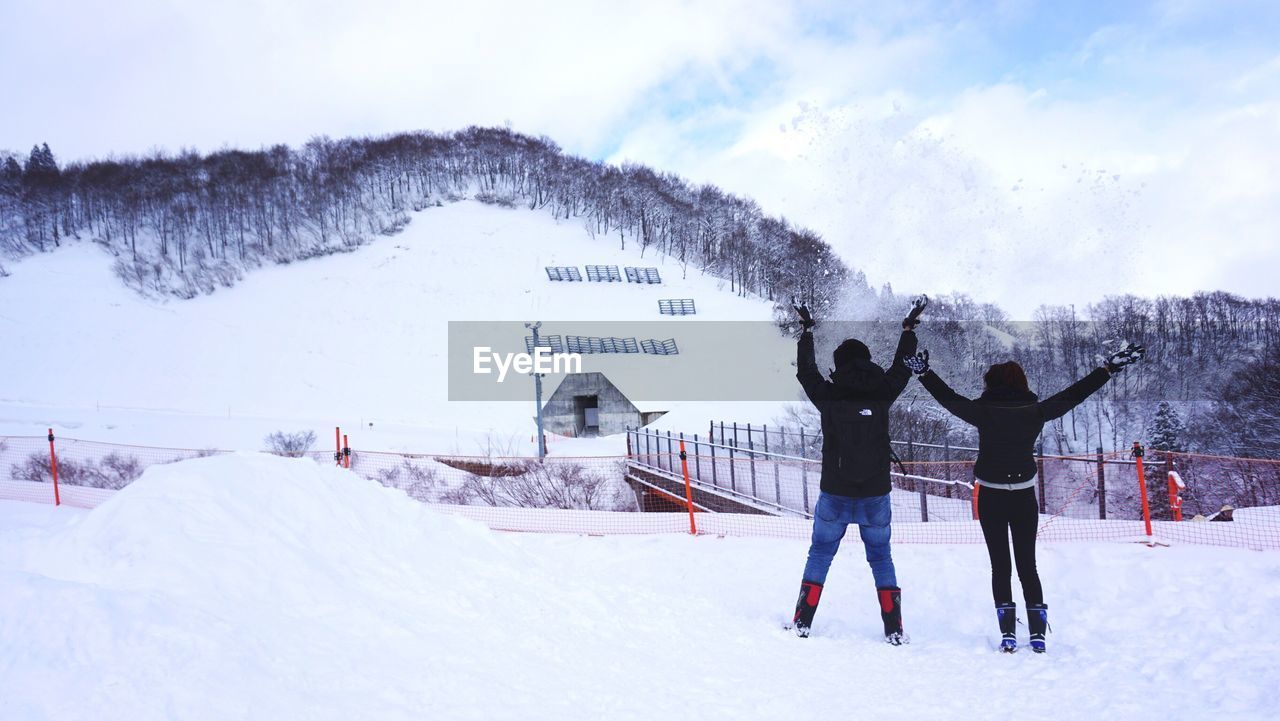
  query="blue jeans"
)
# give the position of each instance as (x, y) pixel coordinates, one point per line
(830, 520)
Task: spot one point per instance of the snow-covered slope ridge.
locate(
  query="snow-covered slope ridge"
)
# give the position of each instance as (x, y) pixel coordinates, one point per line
(353, 338)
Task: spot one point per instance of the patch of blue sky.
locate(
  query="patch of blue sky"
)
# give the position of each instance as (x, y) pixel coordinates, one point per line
(1101, 48)
(710, 107)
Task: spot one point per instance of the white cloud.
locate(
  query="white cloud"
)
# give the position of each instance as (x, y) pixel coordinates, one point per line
(1014, 197)
(97, 78)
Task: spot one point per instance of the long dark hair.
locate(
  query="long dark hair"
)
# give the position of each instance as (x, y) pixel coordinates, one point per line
(1006, 375)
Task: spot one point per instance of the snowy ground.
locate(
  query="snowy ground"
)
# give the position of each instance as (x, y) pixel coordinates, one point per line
(258, 587)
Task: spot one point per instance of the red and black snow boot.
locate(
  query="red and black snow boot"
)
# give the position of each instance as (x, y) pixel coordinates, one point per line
(891, 614)
(806, 606)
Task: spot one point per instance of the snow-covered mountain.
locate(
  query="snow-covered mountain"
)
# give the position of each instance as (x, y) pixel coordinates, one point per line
(356, 339)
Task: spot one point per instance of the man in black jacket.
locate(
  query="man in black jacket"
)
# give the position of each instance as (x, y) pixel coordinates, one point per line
(854, 407)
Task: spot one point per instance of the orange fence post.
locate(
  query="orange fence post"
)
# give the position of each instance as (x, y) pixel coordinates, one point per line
(337, 445)
(688, 489)
(1142, 485)
(53, 464)
(346, 451)
(1175, 497)
(975, 500)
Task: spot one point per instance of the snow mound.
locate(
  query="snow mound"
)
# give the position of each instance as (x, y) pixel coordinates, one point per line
(247, 524)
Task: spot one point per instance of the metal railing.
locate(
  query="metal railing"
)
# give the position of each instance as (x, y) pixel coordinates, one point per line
(784, 482)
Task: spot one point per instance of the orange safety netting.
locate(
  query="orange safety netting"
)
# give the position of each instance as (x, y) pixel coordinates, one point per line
(1214, 500)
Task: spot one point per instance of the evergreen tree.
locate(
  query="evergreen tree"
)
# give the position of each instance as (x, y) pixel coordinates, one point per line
(41, 182)
(34, 161)
(1164, 432)
(10, 186)
(42, 167)
(10, 171)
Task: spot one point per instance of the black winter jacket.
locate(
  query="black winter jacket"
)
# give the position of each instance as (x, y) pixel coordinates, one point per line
(1009, 422)
(854, 406)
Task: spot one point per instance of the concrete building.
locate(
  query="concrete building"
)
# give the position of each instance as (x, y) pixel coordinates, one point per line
(589, 404)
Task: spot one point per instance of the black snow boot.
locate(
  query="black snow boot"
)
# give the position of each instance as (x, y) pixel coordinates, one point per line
(1038, 622)
(891, 614)
(1007, 615)
(806, 606)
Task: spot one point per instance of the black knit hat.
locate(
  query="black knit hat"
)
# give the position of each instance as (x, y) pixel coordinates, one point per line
(849, 351)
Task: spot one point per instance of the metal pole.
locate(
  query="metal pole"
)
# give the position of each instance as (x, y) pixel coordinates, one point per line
(946, 460)
(751, 446)
(1040, 472)
(924, 496)
(1102, 486)
(697, 463)
(715, 481)
(924, 502)
(911, 457)
(537, 391)
(777, 480)
(733, 480)
(804, 471)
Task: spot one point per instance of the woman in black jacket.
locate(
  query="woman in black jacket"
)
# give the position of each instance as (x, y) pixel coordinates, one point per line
(1009, 418)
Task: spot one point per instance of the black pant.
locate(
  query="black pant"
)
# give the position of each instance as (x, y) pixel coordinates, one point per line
(1000, 511)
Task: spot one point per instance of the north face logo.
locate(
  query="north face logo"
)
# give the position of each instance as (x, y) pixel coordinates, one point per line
(865, 412)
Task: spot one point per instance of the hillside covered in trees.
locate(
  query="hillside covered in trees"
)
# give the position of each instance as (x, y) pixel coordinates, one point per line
(1215, 356)
(188, 224)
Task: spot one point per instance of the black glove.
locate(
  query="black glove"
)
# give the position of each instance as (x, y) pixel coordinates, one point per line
(806, 320)
(913, 318)
(918, 363)
(1126, 356)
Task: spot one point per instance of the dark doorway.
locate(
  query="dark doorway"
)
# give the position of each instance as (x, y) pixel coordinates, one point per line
(587, 414)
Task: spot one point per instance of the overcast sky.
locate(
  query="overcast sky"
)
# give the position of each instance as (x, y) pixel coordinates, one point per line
(1021, 152)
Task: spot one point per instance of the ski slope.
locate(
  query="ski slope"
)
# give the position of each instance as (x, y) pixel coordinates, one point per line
(257, 587)
(355, 339)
